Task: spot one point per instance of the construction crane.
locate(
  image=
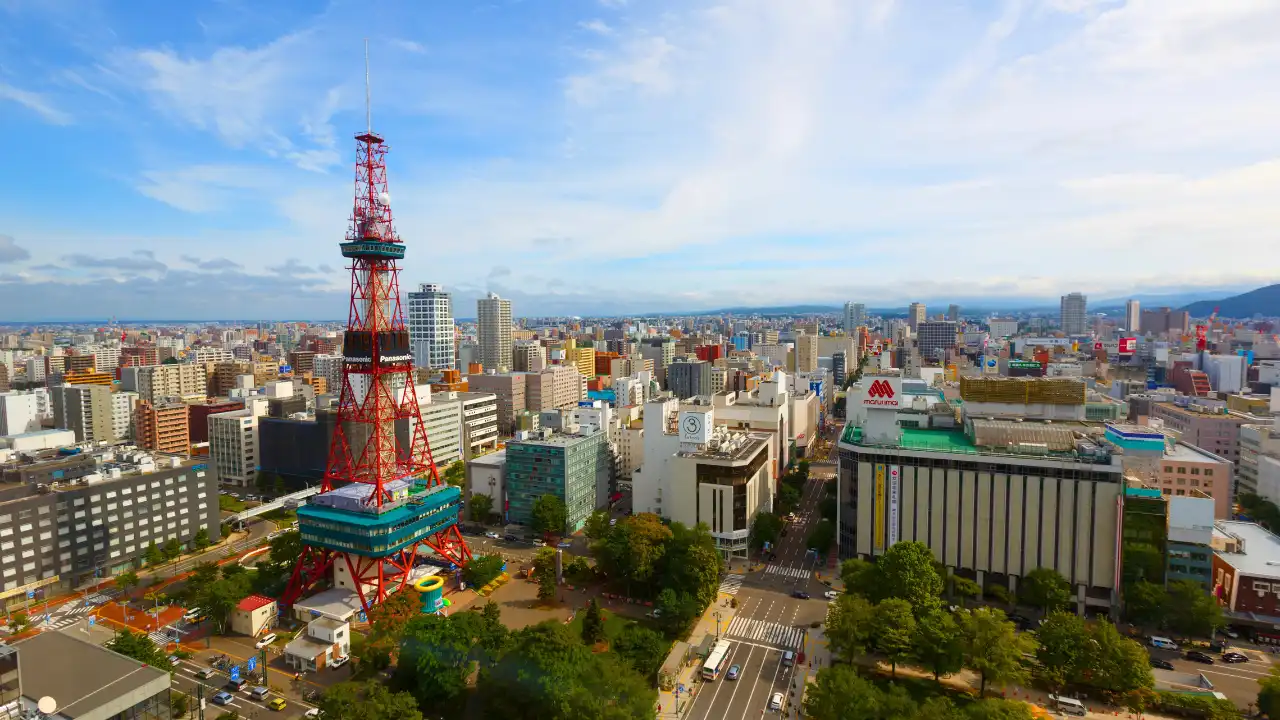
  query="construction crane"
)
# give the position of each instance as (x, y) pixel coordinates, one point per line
(1202, 332)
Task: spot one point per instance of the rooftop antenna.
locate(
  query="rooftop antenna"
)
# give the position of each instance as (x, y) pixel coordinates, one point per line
(368, 107)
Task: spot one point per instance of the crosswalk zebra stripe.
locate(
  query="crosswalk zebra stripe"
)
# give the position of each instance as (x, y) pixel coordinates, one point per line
(731, 584)
(768, 633)
(791, 572)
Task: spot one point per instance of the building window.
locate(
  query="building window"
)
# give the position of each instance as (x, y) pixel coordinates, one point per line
(1195, 471)
(1182, 471)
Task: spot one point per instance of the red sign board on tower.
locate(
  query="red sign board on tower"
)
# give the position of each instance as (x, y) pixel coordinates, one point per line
(1128, 345)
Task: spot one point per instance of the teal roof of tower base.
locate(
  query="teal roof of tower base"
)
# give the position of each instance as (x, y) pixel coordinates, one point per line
(427, 512)
(372, 248)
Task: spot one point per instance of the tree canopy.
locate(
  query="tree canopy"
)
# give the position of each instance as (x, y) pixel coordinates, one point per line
(766, 528)
(480, 506)
(993, 648)
(367, 701)
(1191, 610)
(1045, 589)
(139, 647)
(548, 515)
(906, 571)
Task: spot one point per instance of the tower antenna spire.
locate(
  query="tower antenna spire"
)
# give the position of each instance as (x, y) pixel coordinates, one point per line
(368, 105)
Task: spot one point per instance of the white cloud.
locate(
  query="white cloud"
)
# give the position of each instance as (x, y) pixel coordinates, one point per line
(596, 26)
(35, 102)
(409, 46)
(207, 188)
(613, 4)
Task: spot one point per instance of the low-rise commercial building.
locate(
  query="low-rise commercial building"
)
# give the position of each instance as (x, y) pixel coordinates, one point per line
(87, 681)
(569, 466)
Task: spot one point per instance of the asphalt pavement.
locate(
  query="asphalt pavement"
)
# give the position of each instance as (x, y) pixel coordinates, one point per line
(1238, 681)
(185, 680)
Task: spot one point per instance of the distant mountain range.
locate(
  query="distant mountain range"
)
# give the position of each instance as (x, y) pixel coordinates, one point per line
(1264, 301)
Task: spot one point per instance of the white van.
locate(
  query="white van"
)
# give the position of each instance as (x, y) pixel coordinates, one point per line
(1070, 706)
(1163, 643)
(788, 659)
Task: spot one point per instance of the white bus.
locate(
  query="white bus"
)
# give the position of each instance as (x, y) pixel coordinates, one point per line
(716, 660)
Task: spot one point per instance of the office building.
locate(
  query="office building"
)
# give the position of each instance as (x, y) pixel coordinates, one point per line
(19, 413)
(302, 362)
(1205, 428)
(329, 367)
(1132, 316)
(915, 315)
(559, 386)
(1002, 327)
(855, 316)
(94, 515)
(935, 337)
(1163, 320)
(84, 409)
(431, 329)
(124, 406)
(233, 447)
(479, 423)
(88, 681)
(529, 356)
(688, 378)
(1072, 311)
(953, 313)
(223, 378)
(510, 390)
(1246, 579)
(442, 418)
(1257, 442)
(570, 467)
(839, 368)
(662, 351)
(198, 417)
(163, 428)
(493, 322)
(806, 353)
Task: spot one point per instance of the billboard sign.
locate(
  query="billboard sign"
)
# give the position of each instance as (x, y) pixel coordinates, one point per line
(1128, 345)
(1024, 365)
(878, 508)
(894, 484)
(883, 393)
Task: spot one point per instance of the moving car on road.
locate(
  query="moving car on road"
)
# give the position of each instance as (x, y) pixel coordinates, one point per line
(800, 595)
(265, 641)
(492, 535)
(831, 594)
(1234, 657)
(276, 703)
(734, 671)
(1197, 656)
(1162, 664)
(222, 697)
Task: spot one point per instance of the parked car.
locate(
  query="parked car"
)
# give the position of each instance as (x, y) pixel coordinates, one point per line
(734, 670)
(831, 594)
(222, 697)
(206, 673)
(339, 661)
(236, 685)
(800, 595)
(276, 703)
(1231, 633)
(510, 537)
(1162, 664)
(775, 702)
(312, 713)
(493, 535)
(1234, 657)
(265, 641)
(539, 543)
(1197, 656)
(563, 544)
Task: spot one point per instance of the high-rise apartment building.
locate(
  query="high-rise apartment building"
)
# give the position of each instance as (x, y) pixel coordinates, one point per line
(806, 353)
(935, 337)
(688, 378)
(19, 413)
(493, 322)
(163, 428)
(329, 367)
(571, 467)
(1072, 313)
(233, 447)
(915, 315)
(302, 362)
(124, 407)
(529, 356)
(158, 383)
(855, 315)
(1163, 319)
(510, 390)
(85, 410)
(1132, 316)
(559, 386)
(953, 313)
(431, 329)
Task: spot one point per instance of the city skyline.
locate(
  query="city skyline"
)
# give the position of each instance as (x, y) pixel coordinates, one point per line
(640, 158)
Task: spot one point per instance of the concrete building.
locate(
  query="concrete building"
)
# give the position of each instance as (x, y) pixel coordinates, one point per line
(697, 470)
(254, 615)
(510, 390)
(19, 413)
(765, 409)
(87, 681)
(442, 419)
(1217, 432)
(687, 378)
(94, 515)
(1184, 468)
(84, 409)
(855, 316)
(1245, 577)
(485, 477)
(556, 387)
(1132, 316)
(198, 417)
(160, 383)
(1256, 442)
(806, 353)
(571, 467)
(479, 423)
(915, 315)
(124, 406)
(1071, 313)
(163, 428)
(662, 351)
(1165, 320)
(935, 337)
(431, 329)
(233, 447)
(953, 313)
(326, 639)
(1002, 327)
(529, 356)
(493, 320)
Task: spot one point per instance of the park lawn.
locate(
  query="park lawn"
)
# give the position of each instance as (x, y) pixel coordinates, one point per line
(282, 518)
(613, 623)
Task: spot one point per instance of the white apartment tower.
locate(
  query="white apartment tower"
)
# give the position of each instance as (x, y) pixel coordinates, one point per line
(915, 315)
(1132, 315)
(233, 446)
(19, 413)
(855, 315)
(431, 331)
(1072, 313)
(493, 318)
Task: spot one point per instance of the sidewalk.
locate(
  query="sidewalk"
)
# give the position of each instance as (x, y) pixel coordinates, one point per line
(688, 677)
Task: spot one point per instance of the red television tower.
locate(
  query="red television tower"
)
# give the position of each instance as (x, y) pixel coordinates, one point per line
(406, 504)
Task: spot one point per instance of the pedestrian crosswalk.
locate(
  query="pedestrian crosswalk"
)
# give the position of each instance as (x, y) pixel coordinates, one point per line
(101, 598)
(767, 633)
(790, 572)
(731, 584)
(160, 638)
(60, 623)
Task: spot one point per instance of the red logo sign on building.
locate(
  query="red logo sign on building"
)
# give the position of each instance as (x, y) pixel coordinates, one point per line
(881, 393)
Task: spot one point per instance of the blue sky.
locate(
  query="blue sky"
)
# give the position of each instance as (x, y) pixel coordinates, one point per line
(193, 159)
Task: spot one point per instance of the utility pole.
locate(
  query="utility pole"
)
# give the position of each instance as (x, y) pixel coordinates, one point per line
(263, 661)
(200, 699)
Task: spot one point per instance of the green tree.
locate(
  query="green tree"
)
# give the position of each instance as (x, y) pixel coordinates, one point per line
(1191, 610)
(231, 715)
(597, 525)
(849, 626)
(993, 648)
(1145, 602)
(678, 610)
(127, 580)
(544, 573)
(939, 644)
(367, 701)
(964, 589)
(1269, 693)
(893, 631)
(643, 649)
(906, 571)
(139, 647)
(592, 623)
(827, 508)
(788, 498)
(841, 694)
(179, 704)
(1143, 561)
(548, 515)
(201, 541)
(480, 506)
(154, 556)
(766, 528)
(387, 621)
(821, 536)
(483, 569)
(436, 657)
(456, 473)
(690, 562)
(998, 709)
(1064, 651)
(633, 550)
(19, 621)
(172, 549)
(1045, 589)
(858, 576)
(1118, 665)
(286, 547)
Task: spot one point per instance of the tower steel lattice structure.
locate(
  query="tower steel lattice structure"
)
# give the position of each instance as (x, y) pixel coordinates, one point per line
(382, 501)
